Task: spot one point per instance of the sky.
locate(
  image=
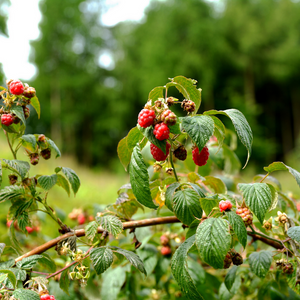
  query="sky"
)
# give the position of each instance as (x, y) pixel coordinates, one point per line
(23, 19)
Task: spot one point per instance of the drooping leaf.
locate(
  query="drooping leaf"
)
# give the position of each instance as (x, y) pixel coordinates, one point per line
(11, 192)
(213, 241)
(139, 178)
(133, 258)
(238, 226)
(241, 126)
(91, 230)
(180, 272)
(102, 259)
(156, 93)
(199, 128)
(186, 206)
(24, 294)
(294, 233)
(47, 182)
(54, 147)
(64, 281)
(110, 223)
(280, 166)
(258, 197)
(72, 178)
(29, 262)
(219, 131)
(62, 181)
(34, 101)
(148, 133)
(29, 142)
(170, 194)
(274, 197)
(260, 262)
(9, 276)
(230, 277)
(18, 166)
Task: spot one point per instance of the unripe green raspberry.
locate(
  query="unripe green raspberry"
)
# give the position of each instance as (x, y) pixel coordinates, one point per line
(168, 117)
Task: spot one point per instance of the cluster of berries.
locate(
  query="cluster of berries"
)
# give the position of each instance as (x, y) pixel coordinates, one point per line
(161, 117)
(166, 248)
(245, 214)
(285, 266)
(47, 297)
(225, 205)
(77, 214)
(28, 228)
(232, 257)
(24, 93)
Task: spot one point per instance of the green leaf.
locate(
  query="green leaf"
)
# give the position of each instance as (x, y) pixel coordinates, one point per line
(170, 194)
(91, 230)
(230, 277)
(29, 262)
(3, 277)
(148, 133)
(133, 258)
(126, 145)
(232, 163)
(11, 192)
(187, 88)
(209, 203)
(7, 264)
(24, 294)
(213, 241)
(238, 226)
(294, 233)
(260, 262)
(156, 93)
(197, 272)
(199, 128)
(197, 189)
(216, 184)
(139, 179)
(2, 246)
(280, 166)
(180, 271)
(102, 259)
(11, 128)
(110, 223)
(34, 101)
(113, 280)
(274, 197)
(219, 131)
(175, 129)
(64, 281)
(72, 178)
(18, 166)
(10, 276)
(46, 262)
(0, 174)
(187, 206)
(54, 147)
(23, 220)
(29, 142)
(20, 274)
(47, 182)
(258, 197)
(62, 181)
(18, 111)
(241, 126)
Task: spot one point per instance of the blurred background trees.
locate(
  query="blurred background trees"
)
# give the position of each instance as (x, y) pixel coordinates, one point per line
(244, 54)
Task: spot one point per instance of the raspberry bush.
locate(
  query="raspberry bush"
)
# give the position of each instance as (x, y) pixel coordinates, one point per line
(218, 235)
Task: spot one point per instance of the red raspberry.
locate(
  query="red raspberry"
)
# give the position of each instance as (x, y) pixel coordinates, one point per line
(45, 297)
(200, 159)
(180, 153)
(168, 117)
(158, 154)
(166, 250)
(29, 229)
(146, 118)
(7, 119)
(81, 219)
(161, 131)
(16, 87)
(164, 240)
(245, 214)
(225, 205)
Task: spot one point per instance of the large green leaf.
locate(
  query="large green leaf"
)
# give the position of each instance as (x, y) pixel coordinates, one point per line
(180, 270)
(34, 101)
(258, 196)
(139, 178)
(19, 166)
(11, 192)
(188, 89)
(110, 223)
(199, 128)
(72, 178)
(238, 226)
(148, 133)
(126, 145)
(63, 182)
(170, 194)
(241, 126)
(102, 259)
(47, 182)
(29, 262)
(213, 241)
(186, 206)
(260, 262)
(280, 166)
(24, 294)
(294, 233)
(133, 258)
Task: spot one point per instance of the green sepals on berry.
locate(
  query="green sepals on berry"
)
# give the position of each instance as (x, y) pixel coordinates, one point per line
(168, 117)
(161, 131)
(227, 260)
(180, 153)
(158, 154)
(146, 118)
(16, 87)
(7, 119)
(245, 214)
(200, 159)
